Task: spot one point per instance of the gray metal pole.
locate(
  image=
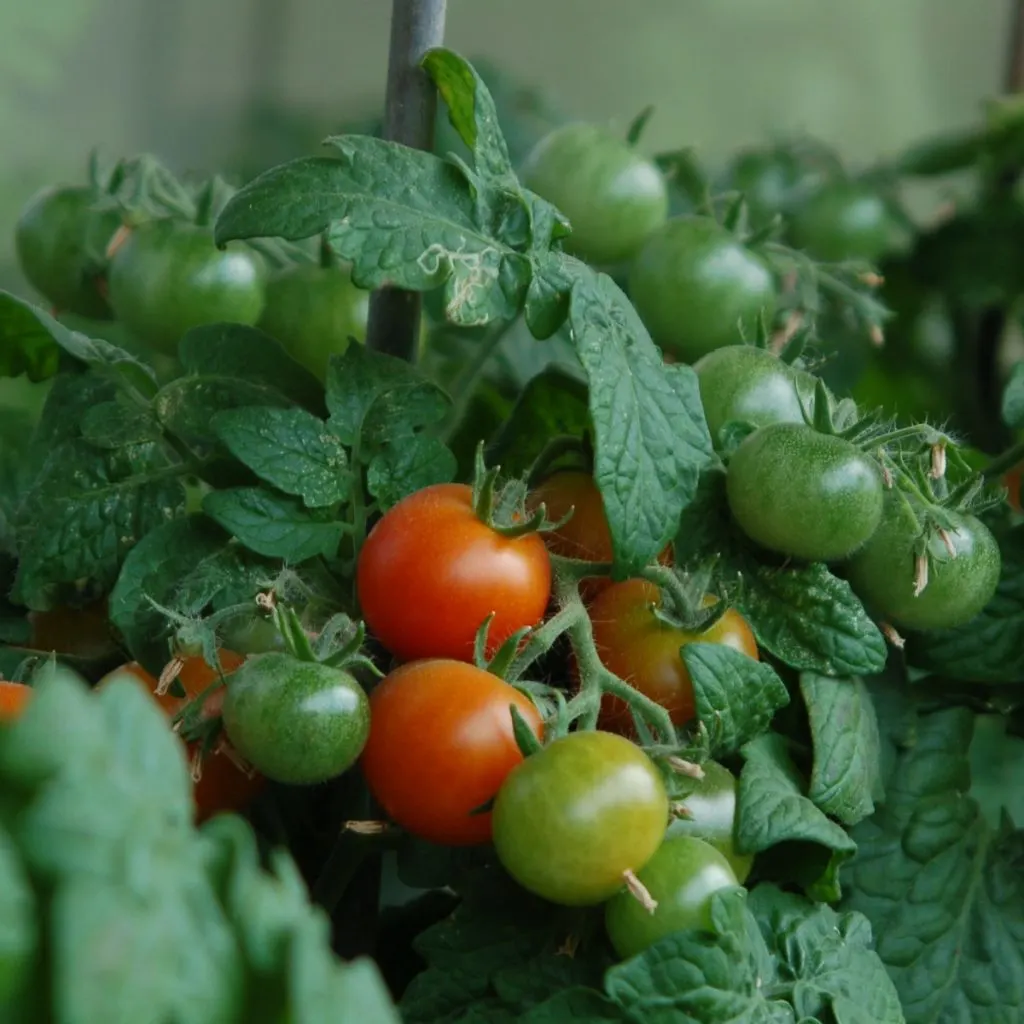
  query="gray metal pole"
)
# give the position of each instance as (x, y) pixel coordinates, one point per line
(411, 107)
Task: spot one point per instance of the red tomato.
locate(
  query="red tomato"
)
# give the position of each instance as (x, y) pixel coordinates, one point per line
(441, 744)
(431, 571)
(222, 786)
(13, 698)
(586, 535)
(1012, 481)
(639, 648)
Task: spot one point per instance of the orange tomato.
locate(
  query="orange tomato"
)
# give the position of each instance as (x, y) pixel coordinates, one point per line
(13, 698)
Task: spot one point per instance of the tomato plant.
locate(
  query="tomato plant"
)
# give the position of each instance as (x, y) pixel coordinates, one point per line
(844, 221)
(681, 877)
(697, 287)
(803, 493)
(432, 570)
(572, 819)
(642, 649)
(614, 197)
(441, 744)
(168, 277)
(295, 721)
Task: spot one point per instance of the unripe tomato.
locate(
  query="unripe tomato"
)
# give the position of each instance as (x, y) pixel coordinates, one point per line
(169, 277)
(682, 877)
(698, 288)
(13, 699)
(804, 494)
(883, 572)
(313, 311)
(572, 819)
(613, 196)
(644, 651)
(223, 785)
(441, 744)
(431, 571)
(60, 240)
(297, 722)
(710, 807)
(747, 384)
(843, 221)
(586, 535)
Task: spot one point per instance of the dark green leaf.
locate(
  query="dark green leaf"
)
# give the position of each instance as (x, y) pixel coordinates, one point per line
(85, 511)
(186, 406)
(846, 779)
(811, 620)
(547, 298)
(272, 524)
(651, 436)
(290, 449)
(554, 403)
(736, 695)
(773, 809)
(235, 350)
(405, 466)
(117, 425)
(989, 648)
(70, 398)
(942, 889)
(575, 1005)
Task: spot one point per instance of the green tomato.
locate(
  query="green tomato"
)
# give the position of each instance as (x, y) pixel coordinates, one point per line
(711, 815)
(804, 494)
(614, 197)
(570, 820)
(298, 722)
(747, 384)
(313, 311)
(883, 573)
(60, 241)
(169, 277)
(682, 877)
(698, 288)
(843, 221)
(252, 635)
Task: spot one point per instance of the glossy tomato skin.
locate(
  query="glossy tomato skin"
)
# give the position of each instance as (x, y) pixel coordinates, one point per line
(430, 572)
(613, 196)
(882, 573)
(697, 288)
(843, 221)
(169, 277)
(711, 815)
(644, 651)
(742, 383)
(441, 744)
(682, 876)
(313, 311)
(574, 817)
(59, 238)
(256, 635)
(297, 722)
(586, 535)
(222, 785)
(13, 699)
(804, 494)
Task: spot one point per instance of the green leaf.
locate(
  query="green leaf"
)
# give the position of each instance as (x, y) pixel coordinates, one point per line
(553, 404)
(811, 620)
(407, 466)
(290, 449)
(846, 779)
(19, 929)
(187, 405)
(72, 394)
(272, 524)
(736, 696)
(575, 1004)
(989, 648)
(85, 511)
(773, 809)
(30, 340)
(118, 425)
(235, 350)
(650, 433)
(943, 889)
(1013, 398)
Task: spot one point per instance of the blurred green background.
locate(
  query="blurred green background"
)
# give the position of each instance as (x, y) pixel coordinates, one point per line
(193, 80)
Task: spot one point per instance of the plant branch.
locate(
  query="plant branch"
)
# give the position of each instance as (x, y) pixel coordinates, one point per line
(411, 107)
